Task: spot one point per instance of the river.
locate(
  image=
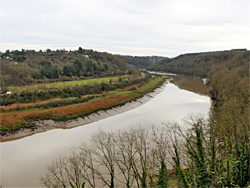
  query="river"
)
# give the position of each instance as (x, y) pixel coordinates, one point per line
(25, 160)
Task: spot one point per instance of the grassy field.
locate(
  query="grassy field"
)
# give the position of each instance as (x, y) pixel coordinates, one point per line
(15, 120)
(18, 89)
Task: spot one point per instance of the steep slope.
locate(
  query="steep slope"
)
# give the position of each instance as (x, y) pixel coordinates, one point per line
(199, 64)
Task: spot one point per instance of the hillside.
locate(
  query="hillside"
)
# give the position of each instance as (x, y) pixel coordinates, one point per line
(199, 64)
(30, 66)
(141, 61)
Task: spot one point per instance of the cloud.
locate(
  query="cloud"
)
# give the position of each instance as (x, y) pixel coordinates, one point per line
(160, 27)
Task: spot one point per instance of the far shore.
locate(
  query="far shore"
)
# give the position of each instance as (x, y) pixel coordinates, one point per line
(45, 125)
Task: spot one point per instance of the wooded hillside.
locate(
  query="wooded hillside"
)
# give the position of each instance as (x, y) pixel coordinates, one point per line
(30, 66)
(141, 61)
(221, 156)
(199, 64)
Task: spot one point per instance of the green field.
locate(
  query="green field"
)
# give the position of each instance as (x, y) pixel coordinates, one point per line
(63, 84)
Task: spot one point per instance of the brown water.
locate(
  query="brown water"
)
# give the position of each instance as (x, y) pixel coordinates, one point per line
(23, 161)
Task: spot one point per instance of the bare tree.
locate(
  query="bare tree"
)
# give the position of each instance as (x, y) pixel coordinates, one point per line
(125, 153)
(104, 156)
(131, 157)
(88, 165)
(159, 153)
(75, 165)
(141, 158)
(56, 176)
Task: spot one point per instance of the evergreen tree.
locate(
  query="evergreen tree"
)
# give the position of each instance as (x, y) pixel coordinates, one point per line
(241, 163)
(203, 178)
(178, 170)
(162, 177)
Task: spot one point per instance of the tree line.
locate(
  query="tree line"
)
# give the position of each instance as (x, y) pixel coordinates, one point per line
(125, 158)
(147, 157)
(141, 61)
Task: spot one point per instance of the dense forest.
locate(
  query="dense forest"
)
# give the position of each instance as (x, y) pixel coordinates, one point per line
(199, 64)
(141, 61)
(30, 66)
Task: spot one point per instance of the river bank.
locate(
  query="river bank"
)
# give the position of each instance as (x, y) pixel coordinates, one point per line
(133, 100)
(34, 153)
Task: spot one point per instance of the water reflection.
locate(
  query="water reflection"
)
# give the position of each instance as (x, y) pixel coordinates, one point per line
(191, 84)
(24, 161)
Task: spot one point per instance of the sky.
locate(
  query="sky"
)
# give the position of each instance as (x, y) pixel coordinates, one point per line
(129, 27)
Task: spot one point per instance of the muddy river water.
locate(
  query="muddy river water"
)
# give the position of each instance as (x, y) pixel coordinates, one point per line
(25, 160)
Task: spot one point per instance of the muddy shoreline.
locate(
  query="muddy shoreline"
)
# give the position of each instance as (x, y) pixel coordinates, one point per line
(45, 125)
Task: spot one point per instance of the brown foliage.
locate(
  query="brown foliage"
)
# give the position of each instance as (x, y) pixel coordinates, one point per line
(128, 88)
(26, 105)
(14, 118)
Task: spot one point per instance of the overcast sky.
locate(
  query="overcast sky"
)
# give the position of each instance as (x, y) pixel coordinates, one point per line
(134, 27)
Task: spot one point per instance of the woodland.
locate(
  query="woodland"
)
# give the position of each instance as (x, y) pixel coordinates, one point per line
(212, 152)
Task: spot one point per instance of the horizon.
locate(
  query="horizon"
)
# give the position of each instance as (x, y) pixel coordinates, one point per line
(44, 50)
(136, 27)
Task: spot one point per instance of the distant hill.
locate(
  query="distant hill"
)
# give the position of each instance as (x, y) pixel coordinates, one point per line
(141, 61)
(199, 64)
(29, 66)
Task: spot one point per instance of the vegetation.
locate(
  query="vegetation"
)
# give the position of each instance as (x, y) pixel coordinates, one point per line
(202, 153)
(61, 90)
(141, 61)
(62, 110)
(199, 64)
(143, 157)
(64, 84)
(112, 158)
(32, 67)
(59, 103)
